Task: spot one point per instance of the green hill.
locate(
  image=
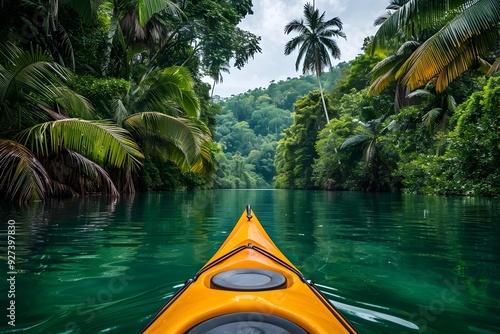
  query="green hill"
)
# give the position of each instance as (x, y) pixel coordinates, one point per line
(250, 125)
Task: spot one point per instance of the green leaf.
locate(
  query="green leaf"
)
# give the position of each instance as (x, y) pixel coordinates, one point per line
(22, 176)
(100, 141)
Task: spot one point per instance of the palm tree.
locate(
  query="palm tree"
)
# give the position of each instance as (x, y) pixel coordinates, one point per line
(315, 42)
(162, 111)
(43, 152)
(385, 72)
(443, 107)
(466, 31)
(132, 23)
(376, 152)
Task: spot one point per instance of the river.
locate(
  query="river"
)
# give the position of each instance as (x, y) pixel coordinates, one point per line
(390, 263)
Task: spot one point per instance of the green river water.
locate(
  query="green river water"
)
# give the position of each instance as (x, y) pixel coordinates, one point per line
(390, 263)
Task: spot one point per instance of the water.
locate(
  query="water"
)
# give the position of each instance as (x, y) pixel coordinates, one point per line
(390, 263)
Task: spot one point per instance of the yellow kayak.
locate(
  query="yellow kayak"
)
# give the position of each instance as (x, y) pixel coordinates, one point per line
(248, 286)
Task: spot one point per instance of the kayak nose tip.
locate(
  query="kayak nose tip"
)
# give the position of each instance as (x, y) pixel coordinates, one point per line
(249, 211)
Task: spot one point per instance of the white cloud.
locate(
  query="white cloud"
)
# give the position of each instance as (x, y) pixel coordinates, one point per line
(269, 20)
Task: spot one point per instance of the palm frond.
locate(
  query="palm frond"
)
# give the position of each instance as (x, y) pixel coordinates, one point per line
(429, 119)
(356, 140)
(22, 176)
(382, 81)
(61, 46)
(100, 141)
(158, 129)
(60, 189)
(455, 46)
(147, 8)
(119, 111)
(421, 93)
(382, 17)
(171, 87)
(27, 73)
(411, 18)
(334, 22)
(295, 26)
(495, 67)
(206, 163)
(451, 103)
(113, 29)
(89, 170)
(76, 104)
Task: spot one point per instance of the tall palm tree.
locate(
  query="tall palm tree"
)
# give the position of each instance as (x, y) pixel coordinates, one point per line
(466, 31)
(43, 152)
(315, 42)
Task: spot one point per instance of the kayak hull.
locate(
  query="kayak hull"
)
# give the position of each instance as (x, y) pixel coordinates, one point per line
(248, 281)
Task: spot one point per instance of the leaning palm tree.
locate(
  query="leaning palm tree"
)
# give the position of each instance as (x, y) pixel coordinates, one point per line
(315, 43)
(465, 31)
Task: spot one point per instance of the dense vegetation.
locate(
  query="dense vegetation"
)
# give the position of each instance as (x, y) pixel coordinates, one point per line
(415, 112)
(100, 96)
(106, 97)
(402, 120)
(250, 126)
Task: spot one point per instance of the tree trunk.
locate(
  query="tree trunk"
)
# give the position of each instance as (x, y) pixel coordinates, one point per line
(323, 99)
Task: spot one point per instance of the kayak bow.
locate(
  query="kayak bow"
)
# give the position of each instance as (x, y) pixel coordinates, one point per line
(248, 286)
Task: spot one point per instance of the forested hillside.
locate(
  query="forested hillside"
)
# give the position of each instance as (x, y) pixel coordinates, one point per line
(250, 126)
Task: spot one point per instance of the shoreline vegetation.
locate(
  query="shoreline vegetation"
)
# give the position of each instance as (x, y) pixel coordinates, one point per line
(109, 100)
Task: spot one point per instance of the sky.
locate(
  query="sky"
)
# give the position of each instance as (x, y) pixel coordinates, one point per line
(268, 22)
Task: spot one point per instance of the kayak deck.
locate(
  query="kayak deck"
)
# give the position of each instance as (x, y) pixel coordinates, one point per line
(248, 286)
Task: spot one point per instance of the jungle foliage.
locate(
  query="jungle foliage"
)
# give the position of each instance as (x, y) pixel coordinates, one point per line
(403, 121)
(106, 97)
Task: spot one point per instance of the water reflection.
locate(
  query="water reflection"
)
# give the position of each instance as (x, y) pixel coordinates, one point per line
(392, 263)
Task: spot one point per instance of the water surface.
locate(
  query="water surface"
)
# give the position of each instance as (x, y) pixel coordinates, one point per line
(390, 263)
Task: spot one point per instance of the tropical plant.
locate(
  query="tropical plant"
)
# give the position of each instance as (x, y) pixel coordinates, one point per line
(377, 150)
(133, 24)
(43, 152)
(162, 112)
(470, 164)
(472, 160)
(442, 107)
(460, 33)
(330, 168)
(295, 153)
(385, 72)
(315, 43)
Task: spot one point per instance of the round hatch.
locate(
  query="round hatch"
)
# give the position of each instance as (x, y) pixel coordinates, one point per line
(245, 323)
(248, 279)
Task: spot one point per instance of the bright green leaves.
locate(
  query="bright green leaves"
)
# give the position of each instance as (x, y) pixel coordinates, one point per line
(102, 142)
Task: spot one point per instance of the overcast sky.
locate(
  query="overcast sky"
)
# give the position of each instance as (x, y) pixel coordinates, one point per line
(269, 20)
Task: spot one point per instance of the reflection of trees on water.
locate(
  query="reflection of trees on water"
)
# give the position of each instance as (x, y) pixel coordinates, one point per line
(404, 249)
